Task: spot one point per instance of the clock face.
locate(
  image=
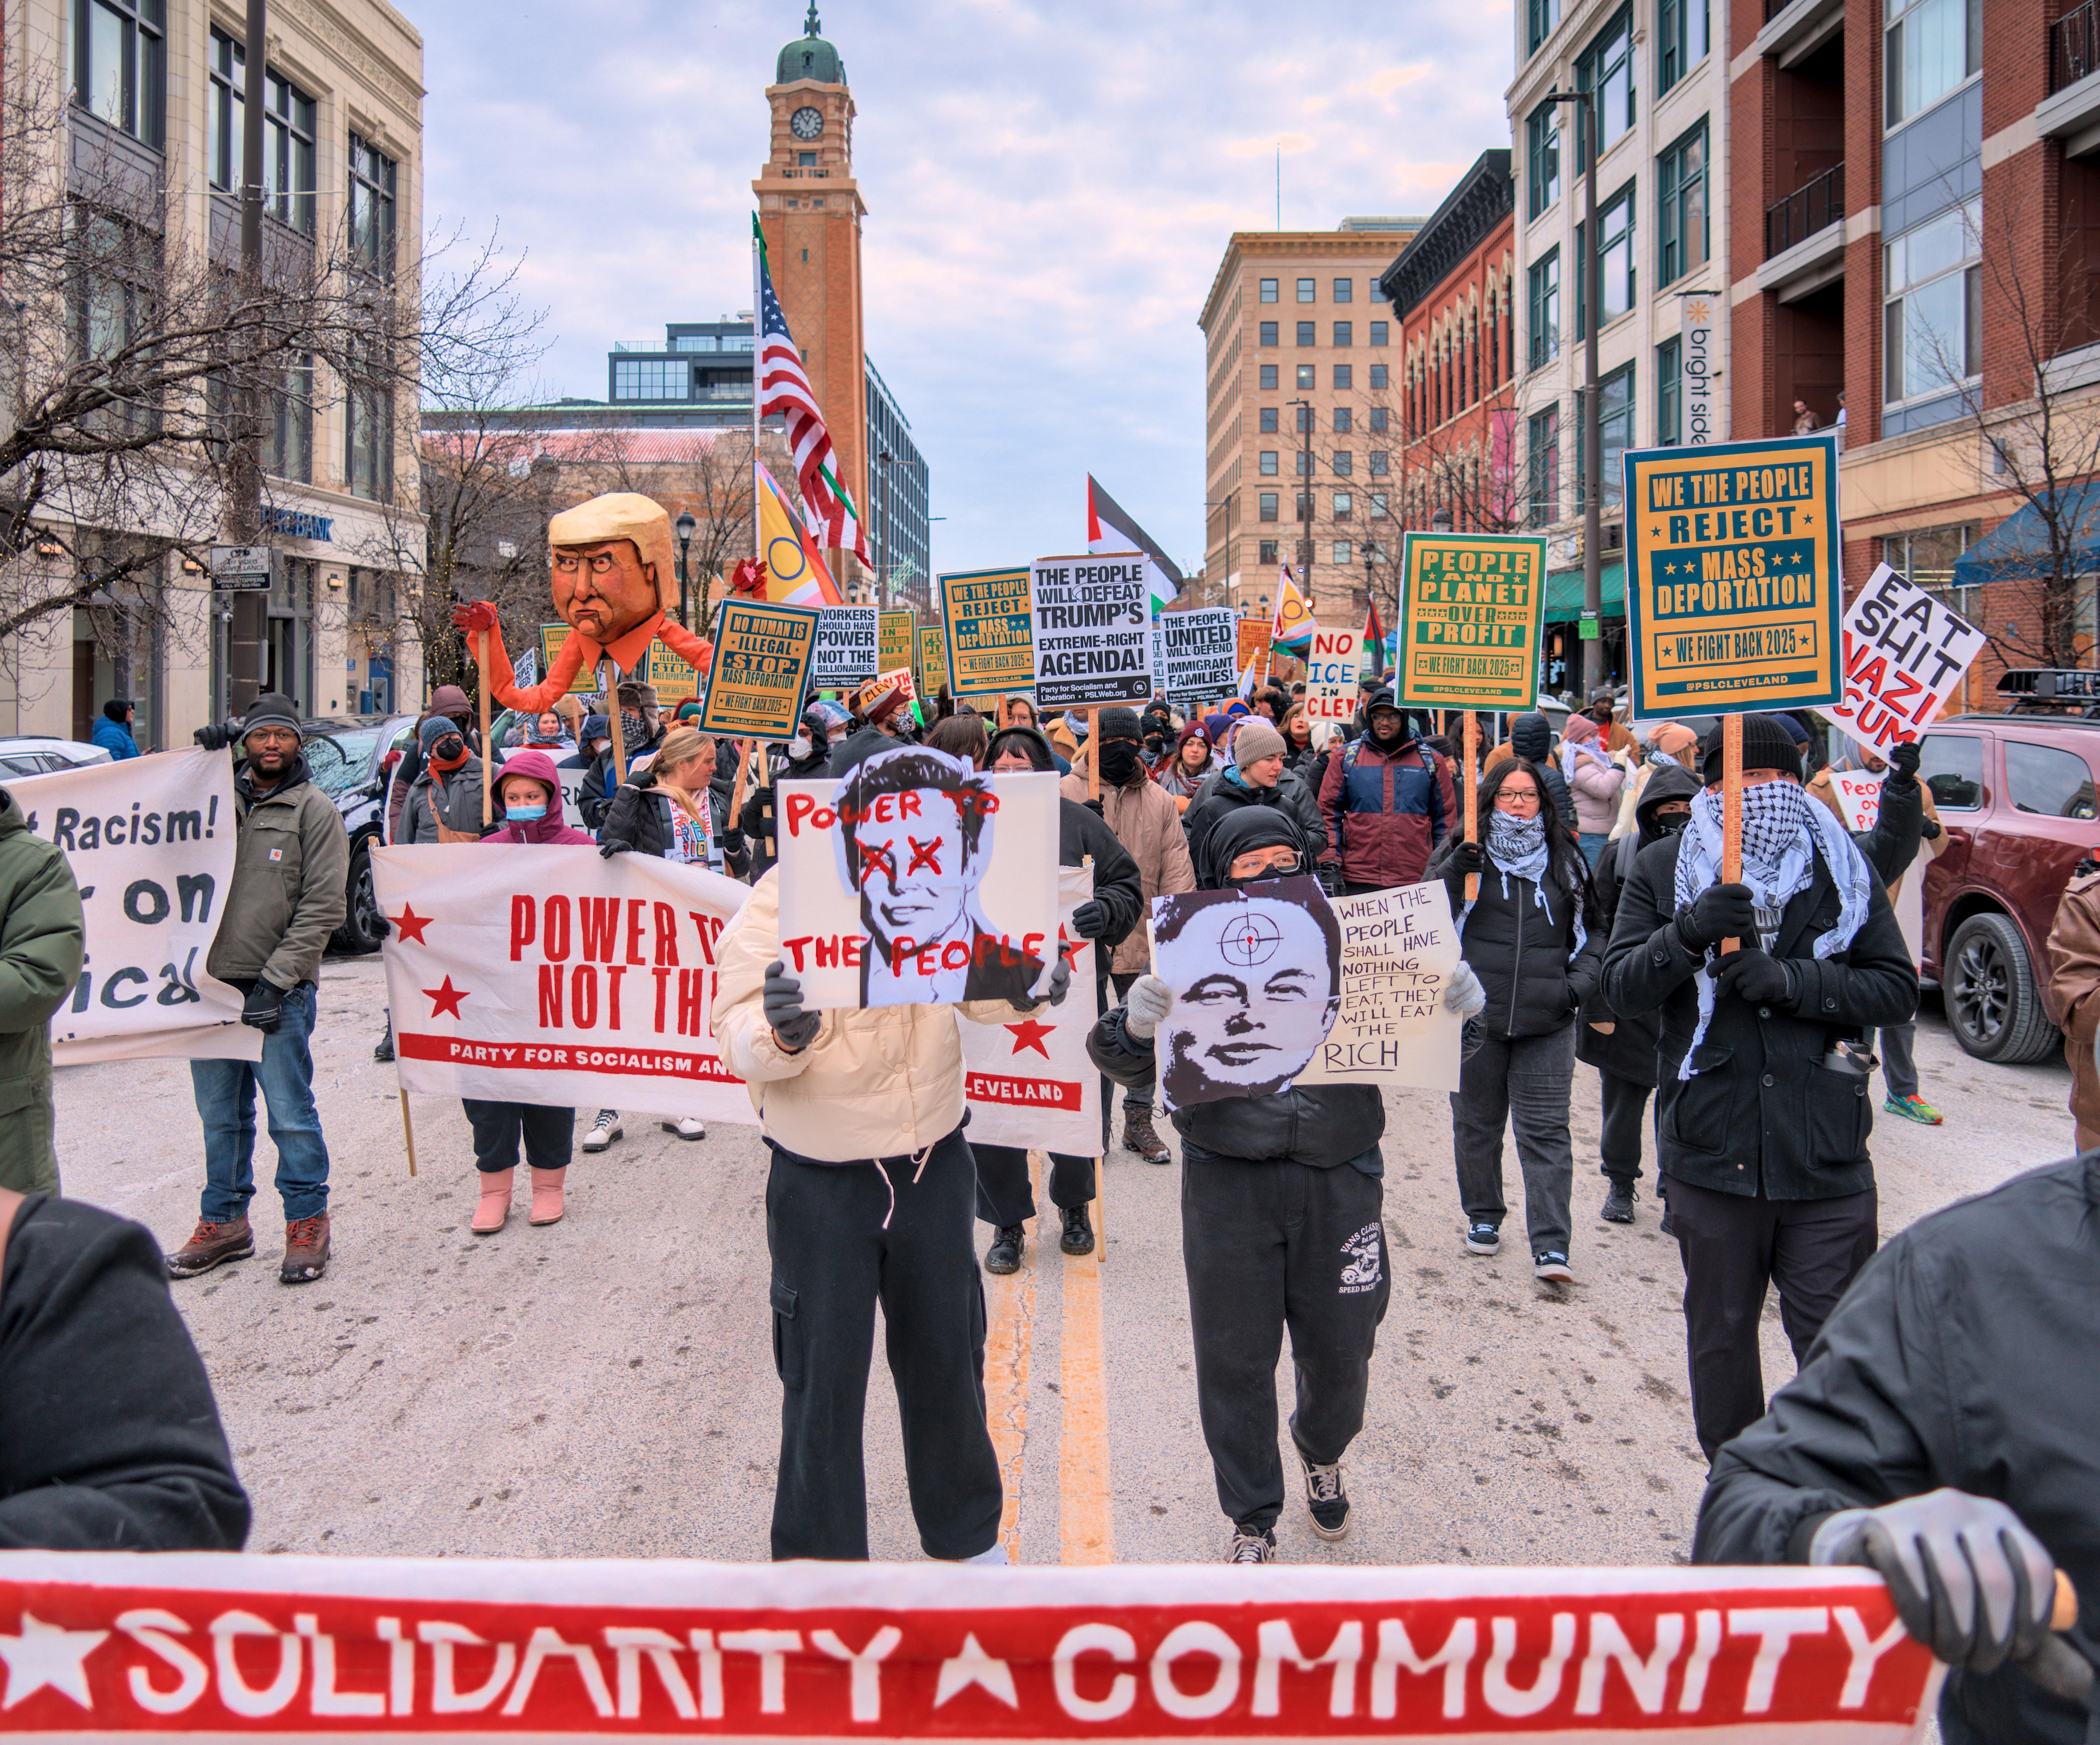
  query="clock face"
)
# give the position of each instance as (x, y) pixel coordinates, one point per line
(806, 123)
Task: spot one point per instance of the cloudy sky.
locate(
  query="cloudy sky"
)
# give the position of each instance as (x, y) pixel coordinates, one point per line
(1049, 188)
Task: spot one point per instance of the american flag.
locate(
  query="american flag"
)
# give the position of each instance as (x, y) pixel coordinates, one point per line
(784, 389)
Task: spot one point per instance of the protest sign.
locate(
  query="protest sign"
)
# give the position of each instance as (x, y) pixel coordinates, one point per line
(761, 669)
(882, 684)
(1733, 567)
(552, 637)
(1399, 949)
(539, 974)
(1330, 675)
(918, 880)
(150, 842)
(932, 660)
(895, 634)
(1904, 655)
(1029, 1082)
(672, 676)
(848, 640)
(991, 643)
(1198, 651)
(1093, 631)
(1471, 607)
(1252, 649)
(1858, 797)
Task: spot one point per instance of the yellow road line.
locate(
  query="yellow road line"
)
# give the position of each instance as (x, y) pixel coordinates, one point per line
(1010, 1313)
(1085, 1523)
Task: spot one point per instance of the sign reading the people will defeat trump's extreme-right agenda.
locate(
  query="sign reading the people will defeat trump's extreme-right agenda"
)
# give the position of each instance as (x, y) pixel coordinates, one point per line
(1093, 630)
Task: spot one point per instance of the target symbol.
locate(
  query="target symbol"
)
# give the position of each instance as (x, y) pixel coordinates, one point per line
(1248, 940)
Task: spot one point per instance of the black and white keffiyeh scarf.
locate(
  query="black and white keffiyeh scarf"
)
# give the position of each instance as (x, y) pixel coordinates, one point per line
(1518, 846)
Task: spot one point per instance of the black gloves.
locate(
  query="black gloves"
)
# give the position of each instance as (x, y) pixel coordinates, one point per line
(217, 738)
(1096, 808)
(1903, 759)
(1724, 911)
(1929, 830)
(1061, 985)
(1090, 920)
(263, 1007)
(1467, 858)
(608, 847)
(782, 1000)
(1754, 977)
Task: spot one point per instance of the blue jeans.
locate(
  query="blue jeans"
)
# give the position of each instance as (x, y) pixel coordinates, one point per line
(226, 1103)
(1592, 844)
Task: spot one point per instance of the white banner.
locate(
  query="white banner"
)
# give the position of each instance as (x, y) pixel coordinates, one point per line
(1904, 655)
(150, 842)
(1029, 1082)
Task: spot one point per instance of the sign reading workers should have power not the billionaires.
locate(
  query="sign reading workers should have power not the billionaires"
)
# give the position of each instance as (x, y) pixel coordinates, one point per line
(1732, 566)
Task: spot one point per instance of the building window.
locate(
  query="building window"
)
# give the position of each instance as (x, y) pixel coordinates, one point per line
(289, 441)
(1342, 419)
(1380, 376)
(1932, 46)
(1542, 158)
(120, 58)
(1615, 225)
(1927, 556)
(1308, 290)
(1543, 15)
(1304, 508)
(367, 429)
(1615, 435)
(1933, 332)
(371, 177)
(1681, 199)
(1378, 413)
(1268, 550)
(1345, 290)
(1345, 463)
(1605, 69)
(1305, 376)
(1345, 332)
(1545, 290)
(1342, 552)
(807, 160)
(288, 135)
(650, 379)
(1544, 453)
(1268, 379)
(1303, 422)
(1268, 290)
(1269, 418)
(1268, 463)
(1684, 28)
(1379, 331)
(1265, 505)
(1343, 374)
(1342, 506)
(1301, 463)
(1670, 393)
(1381, 463)
(1268, 333)
(1308, 334)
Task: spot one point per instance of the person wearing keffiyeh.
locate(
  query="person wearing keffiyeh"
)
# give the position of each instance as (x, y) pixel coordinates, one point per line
(1761, 1107)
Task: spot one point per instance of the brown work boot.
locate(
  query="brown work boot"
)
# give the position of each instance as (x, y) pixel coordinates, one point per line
(306, 1250)
(211, 1245)
(1138, 1136)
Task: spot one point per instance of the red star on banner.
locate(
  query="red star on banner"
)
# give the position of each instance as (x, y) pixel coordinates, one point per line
(446, 999)
(1028, 1034)
(411, 924)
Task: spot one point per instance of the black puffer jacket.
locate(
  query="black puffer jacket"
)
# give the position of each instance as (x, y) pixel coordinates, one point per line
(1524, 951)
(1531, 737)
(639, 819)
(1081, 831)
(1627, 1051)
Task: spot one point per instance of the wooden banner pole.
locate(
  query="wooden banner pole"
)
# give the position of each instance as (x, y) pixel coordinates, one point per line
(608, 678)
(748, 750)
(1100, 1217)
(1731, 807)
(487, 750)
(1473, 796)
(408, 1130)
(1093, 754)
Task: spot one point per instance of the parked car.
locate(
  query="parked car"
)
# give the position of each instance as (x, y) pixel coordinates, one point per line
(347, 756)
(2016, 795)
(33, 755)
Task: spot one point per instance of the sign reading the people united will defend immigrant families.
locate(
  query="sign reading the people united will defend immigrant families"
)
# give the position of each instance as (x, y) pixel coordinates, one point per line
(991, 645)
(761, 665)
(1904, 655)
(1199, 651)
(1470, 608)
(1093, 630)
(848, 643)
(1732, 565)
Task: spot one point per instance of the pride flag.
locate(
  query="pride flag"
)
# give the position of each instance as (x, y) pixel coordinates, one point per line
(795, 572)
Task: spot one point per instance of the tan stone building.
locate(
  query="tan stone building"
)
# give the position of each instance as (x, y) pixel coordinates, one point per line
(154, 87)
(1300, 357)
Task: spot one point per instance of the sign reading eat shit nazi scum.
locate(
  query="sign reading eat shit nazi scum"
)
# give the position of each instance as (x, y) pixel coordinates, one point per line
(1471, 606)
(1732, 566)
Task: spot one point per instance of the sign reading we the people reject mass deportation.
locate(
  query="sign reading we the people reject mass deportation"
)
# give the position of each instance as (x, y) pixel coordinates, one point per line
(1470, 608)
(991, 639)
(1732, 565)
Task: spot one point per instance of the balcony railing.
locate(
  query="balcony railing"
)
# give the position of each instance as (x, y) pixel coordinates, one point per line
(2074, 47)
(1806, 210)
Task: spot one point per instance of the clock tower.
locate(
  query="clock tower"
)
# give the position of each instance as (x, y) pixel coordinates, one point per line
(809, 209)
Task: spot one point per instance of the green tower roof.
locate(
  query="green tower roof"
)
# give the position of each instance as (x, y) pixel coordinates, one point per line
(810, 56)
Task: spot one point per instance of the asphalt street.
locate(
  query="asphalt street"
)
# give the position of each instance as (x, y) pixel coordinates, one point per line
(604, 1387)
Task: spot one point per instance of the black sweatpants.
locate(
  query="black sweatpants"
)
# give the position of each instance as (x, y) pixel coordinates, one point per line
(1268, 1245)
(833, 1260)
(1138, 1098)
(1732, 1246)
(1002, 1192)
(549, 1134)
(1626, 1108)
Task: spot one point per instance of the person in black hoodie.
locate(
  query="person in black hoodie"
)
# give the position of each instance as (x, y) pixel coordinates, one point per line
(1282, 1226)
(805, 759)
(1534, 936)
(1531, 738)
(1254, 776)
(1004, 1199)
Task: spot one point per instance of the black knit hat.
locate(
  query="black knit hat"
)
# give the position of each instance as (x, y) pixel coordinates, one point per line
(273, 708)
(1120, 724)
(1766, 745)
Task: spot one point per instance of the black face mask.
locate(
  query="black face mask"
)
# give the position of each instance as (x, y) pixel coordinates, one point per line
(1230, 883)
(448, 748)
(1669, 824)
(1119, 761)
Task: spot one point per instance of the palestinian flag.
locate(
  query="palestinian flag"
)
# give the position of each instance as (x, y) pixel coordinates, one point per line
(1374, 640)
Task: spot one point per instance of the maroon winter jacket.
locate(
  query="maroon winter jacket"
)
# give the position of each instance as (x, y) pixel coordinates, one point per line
(1386, 810)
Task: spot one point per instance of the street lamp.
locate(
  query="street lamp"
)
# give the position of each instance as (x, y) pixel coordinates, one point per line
(1593, 448)
(1305, 478)
(1226, 502)
(687, 526)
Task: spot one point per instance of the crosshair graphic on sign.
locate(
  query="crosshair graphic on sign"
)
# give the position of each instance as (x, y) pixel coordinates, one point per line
(1248, 940)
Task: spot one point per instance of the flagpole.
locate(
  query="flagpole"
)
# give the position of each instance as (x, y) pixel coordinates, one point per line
(757, 317)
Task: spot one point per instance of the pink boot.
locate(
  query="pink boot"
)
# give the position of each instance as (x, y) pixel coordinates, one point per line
(490, 1215)
(547, 1196)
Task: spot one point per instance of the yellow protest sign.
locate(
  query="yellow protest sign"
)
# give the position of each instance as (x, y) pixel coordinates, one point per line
(761, 665)
(991, 632)
(552, 637)
(894, 640)
(932, 659)
(1733, 561)
(673, 677)
(1470, 612)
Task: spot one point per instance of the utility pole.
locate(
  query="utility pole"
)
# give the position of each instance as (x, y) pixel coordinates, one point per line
(250, 609)
(1592, 436)
(885, 460)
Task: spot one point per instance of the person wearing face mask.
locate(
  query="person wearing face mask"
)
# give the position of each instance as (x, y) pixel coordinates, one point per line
(803, 760)
(1387, 802)
(444, 801)
(1254, 776)
(1535, 938)
(1004, 1199)
(642, 730)
(1156, 732)
(1763, 1112)
(450, 702)
(1280, 1198)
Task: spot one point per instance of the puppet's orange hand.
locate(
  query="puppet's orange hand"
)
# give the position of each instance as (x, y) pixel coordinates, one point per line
(473, 615)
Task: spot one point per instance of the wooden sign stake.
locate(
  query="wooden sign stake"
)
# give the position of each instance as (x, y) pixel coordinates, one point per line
(408, 1130)
(487, 750)
(1731, 809)
(1100, 1218)
(1473, 796)
(1093, 754)
(611, 686)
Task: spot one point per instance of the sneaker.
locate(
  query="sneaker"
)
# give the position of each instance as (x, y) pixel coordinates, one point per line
(1483, 1238)
(1004, 1256)
(1619, 1202)
(1079, 1236)
(306, 1250)
(383, 1054)
(211, 1245)
(604, 1131)
(1249, 1547)
(1913, 1109)
(1139, 1136)
(686, 1127)
(1551, 1265)
(1326, 1500)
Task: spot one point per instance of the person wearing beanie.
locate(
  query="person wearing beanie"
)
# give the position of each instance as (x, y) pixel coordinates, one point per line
(1254, 776)
(803, 758)
(444, 801)
(1386, 801)
(1147, 822)
(1155, 736)
(113, 729)
(288, 893)
(1191, 764)
(1763, 1115)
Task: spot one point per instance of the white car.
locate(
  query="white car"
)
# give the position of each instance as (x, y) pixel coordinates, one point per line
(34, 755)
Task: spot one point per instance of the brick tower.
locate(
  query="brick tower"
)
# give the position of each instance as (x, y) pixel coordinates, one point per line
(809, 208)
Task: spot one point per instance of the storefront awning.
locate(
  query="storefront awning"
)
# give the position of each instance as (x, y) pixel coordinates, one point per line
(2017, 549)
(1564, 594)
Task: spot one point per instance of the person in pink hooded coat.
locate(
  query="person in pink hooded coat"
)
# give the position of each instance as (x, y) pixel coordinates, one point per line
(1594, 779)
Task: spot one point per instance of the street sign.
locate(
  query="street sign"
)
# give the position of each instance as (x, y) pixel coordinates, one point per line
(1733, 560)
(242, 569)
(1470, 610)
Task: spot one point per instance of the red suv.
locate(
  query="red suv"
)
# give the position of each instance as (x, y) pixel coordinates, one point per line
(2016, 795)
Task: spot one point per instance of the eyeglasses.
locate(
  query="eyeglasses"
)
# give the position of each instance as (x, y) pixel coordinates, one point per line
(1517, 796)
(568, 562)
